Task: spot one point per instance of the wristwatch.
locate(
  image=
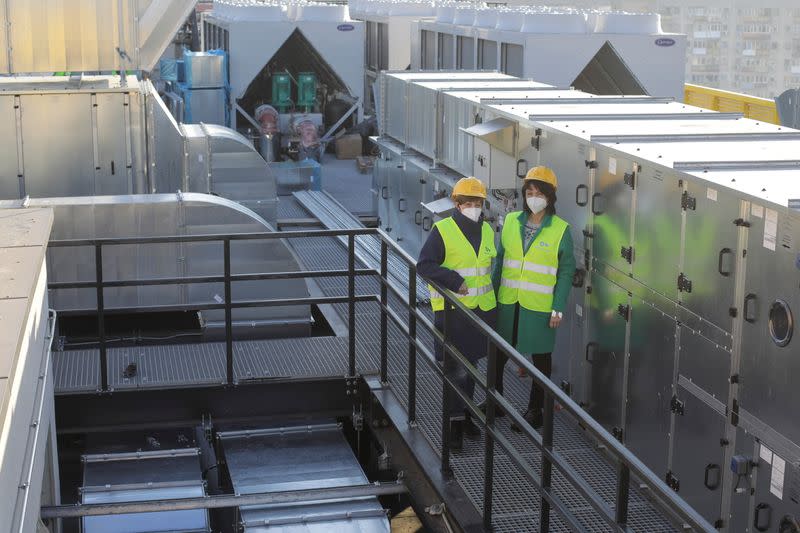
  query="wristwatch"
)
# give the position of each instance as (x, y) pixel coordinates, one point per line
(557, 314)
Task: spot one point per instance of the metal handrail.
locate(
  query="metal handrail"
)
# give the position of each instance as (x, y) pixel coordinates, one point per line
(628, 463)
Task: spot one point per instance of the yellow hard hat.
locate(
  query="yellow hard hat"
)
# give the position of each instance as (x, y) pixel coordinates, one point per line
(544, 174)
(469, 187)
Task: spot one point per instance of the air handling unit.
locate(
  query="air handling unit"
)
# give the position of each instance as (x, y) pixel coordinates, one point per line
(679, 331)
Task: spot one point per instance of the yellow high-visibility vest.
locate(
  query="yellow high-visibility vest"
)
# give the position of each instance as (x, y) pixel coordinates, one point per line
(475, 269)
(530, 278)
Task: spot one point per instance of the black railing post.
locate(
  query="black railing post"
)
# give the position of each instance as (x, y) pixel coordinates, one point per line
(384, 306)
(101, 317)
(547, 466)
(623, 487)
(228, 313)
(351, 303)
(488, 458)
(445, 396)
(412, 347)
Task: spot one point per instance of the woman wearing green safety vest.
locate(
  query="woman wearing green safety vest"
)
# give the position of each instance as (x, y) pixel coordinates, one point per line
(458, 256)
(533, 277)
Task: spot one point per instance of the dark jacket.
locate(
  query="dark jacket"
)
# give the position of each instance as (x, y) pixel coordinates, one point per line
(467, 339)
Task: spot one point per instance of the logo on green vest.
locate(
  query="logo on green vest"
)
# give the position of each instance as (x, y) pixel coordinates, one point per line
(543, 244)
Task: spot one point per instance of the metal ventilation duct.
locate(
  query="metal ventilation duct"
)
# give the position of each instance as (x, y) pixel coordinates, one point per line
(87, 35)
(154, 215)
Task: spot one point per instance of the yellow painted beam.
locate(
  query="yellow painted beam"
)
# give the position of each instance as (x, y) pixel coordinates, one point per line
(752, 107)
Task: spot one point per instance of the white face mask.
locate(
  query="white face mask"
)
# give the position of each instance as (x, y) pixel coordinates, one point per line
(472, 213)
(536, 203)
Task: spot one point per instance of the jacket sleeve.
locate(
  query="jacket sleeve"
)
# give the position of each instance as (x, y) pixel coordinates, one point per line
(429, 264)
(498, 265)
(566, 271)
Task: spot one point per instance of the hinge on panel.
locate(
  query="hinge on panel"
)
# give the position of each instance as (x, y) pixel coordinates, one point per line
(536, 140)
(676, 406)
(684, 283)
(688, 201)
(735, 413)
(734, 379)
(590, 164)
(588, 234)
(624, 311)
(742, 223)
(617, 432)
(719, 523)
(566, 386)
(672, 481)
(733, 312)
(630, 179)
(627, 253)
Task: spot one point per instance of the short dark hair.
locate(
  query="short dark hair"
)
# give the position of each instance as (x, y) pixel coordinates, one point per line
(461, 199)
(545, 188)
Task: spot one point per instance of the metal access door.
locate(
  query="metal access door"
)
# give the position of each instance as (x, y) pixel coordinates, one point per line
(649, 390)
(770, 308)
(605, 351)
(657, 231)
(568, 159)
(612, 205)
(709, 259)
(772, 504)
(696, 454)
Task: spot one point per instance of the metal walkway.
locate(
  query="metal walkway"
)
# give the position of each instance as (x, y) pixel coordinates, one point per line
(516, 500)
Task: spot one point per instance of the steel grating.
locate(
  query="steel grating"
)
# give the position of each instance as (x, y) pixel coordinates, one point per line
(182, 365)
(76, 371)
(516, 500)
(290, 208)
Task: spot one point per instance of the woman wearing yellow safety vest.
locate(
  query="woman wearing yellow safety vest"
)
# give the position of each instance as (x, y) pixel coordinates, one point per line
(458, 256)
(533, 277)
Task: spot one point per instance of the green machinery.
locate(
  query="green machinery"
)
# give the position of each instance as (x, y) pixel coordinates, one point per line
(282, 91)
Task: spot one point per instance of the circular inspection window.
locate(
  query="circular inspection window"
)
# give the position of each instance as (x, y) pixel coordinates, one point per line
(781, 323)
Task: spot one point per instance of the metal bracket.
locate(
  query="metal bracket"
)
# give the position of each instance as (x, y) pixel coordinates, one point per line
(536, 140)
(566, 386)
(624, 311)
(590, 164)
(676, 406)
(629, 178)
(358, 419)
(684, 283)
(735, 413)
(618, 433)
(627, 253)
(688, 201)
(672, 481)
(351, 386)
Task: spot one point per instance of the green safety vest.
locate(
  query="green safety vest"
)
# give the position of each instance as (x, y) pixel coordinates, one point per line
(475, 269)
(530, 278)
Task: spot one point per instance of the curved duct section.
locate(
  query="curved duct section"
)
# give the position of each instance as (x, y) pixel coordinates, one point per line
(161, 215)
(216, 160)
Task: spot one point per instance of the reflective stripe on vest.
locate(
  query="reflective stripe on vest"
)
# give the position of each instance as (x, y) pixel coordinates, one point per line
(530, 278)
(475, 269)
